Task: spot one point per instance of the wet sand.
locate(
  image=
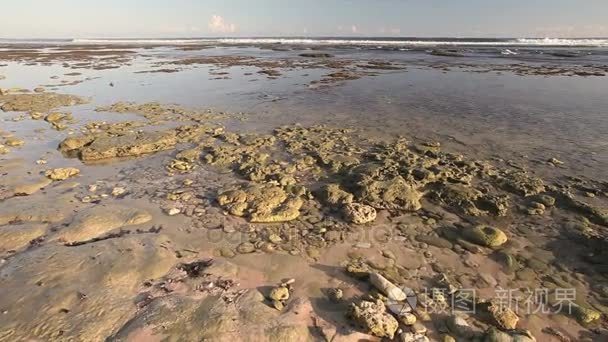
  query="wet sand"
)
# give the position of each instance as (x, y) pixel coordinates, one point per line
(258, 194)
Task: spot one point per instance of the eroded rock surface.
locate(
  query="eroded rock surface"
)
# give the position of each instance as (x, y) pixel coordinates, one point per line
(261, 203)
(99, 220)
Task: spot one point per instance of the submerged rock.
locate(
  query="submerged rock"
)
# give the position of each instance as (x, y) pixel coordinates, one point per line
(40, 102)
(14, 142)
(14, 237)
(261, 203)
(374, 319)
(31, 187)
(485, 236)
(359, 213)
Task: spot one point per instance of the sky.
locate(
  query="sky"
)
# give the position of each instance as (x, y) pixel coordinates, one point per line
(252, 18)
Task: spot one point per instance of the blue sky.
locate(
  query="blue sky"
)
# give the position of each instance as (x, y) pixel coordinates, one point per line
(191, 18)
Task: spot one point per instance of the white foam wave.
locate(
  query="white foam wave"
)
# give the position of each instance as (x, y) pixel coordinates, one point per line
(562, 42)
(464, 42)
(144, 41)
(524, 42)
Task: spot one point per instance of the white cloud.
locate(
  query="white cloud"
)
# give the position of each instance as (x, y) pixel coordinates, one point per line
(354, 29)
(217, 24)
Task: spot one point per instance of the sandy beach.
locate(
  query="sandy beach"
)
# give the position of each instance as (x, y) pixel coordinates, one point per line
(289, 191)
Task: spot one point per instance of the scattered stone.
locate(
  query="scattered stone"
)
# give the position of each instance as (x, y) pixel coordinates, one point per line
(495, 335)
(585, 315)
(227, 252)
(504, 316)
(118, 191)
(373, 318)
(359, 213)
(545, 200)
(434, 241)
(60, 174)
(412, 337)
(418, 328)
(459, 326)
(485, 236)
(407, 318)
(13, 142)
(555, 162)
(335, 294)
(173, 211)
(386, 287)
(535, 208)
(279, 293)
(245, 248)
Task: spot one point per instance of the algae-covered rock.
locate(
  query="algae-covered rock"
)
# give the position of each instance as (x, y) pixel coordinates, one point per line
(75, 143)
(131, 144)
(460, 198)
(55, 117)
(373, 318)
(585, 315)
(334, 195)
(279, 293)
(495, 335)
(190, 155)
(40, 102)
(106, 145)
(359, 213)
(392, 193)
(485, 236)
(261, 203)
(60, 174)
(521, 183)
